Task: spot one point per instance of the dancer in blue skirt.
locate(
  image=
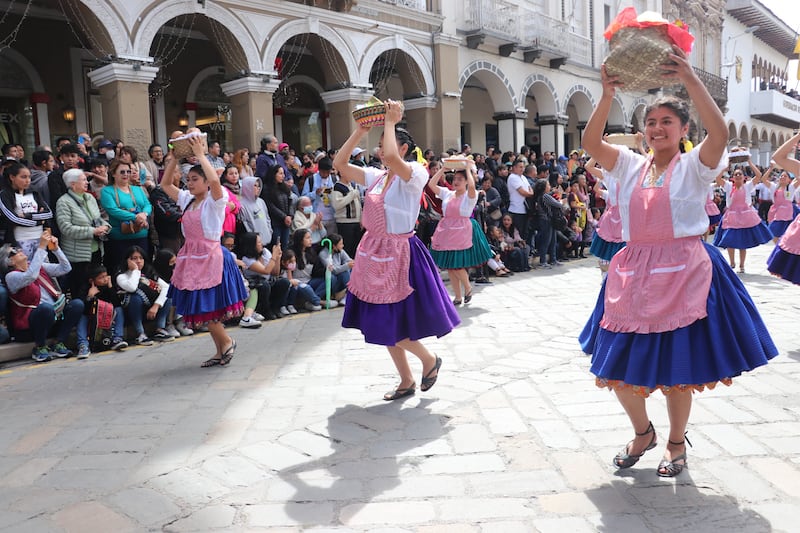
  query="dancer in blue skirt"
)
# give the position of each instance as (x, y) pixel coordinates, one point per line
(206, 286)
(741, 226)
(608, 236)
(395, 294)
(671, 315)
(784, 261)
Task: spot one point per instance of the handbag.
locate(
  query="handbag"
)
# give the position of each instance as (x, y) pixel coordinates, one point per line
(557, 218)
(131, 226)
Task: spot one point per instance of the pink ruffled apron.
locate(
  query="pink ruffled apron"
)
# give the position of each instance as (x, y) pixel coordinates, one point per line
(782, 208)
(712, 209)
(790, 241)
(453, 232)
(382, 262)
(199, 263)
(739, 215)
(656, 283)
(610, 226)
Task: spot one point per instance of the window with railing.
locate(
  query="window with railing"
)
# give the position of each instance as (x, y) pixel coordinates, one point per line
(419, 5)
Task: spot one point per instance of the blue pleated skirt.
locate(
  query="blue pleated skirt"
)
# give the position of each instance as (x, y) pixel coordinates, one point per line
(714, 219)
(475, 255)
(221, 302)
(778, 227)
(785, 265)
(602, 249)
(428, 311)
(732, 339)
(743, 238)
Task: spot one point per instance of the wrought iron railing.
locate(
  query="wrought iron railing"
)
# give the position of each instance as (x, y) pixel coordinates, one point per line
(419, 5)
(717, 86)
(497, 16)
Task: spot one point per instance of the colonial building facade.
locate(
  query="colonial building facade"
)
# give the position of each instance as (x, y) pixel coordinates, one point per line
(484, 72)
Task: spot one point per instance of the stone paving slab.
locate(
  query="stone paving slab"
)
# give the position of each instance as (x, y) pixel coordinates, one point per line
(293, 436)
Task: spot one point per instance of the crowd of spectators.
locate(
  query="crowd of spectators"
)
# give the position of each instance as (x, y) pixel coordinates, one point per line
(90, 237)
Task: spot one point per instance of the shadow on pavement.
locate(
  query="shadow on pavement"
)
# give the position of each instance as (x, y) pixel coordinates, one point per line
(373, 448)
(651, 503)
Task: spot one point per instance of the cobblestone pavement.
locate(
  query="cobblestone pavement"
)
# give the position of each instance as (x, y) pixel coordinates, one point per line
(515, 437)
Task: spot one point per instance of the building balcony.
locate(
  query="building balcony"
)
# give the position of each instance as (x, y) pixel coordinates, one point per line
(417, 5)
(514, 27)
(492, 22)
(716, 85)
(554, 38)
(717, 88)
(775, 107)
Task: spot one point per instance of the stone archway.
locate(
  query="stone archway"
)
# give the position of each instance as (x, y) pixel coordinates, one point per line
(483, 81)
(409, 63)
(542, 125)
(578, 107)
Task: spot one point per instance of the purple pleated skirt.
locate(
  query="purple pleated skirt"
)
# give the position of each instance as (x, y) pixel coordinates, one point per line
(428, 311)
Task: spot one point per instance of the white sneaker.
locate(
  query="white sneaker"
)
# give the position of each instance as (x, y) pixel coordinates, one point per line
(259, 317)
(183, 329)
(333, 304)
(343, 300)
(173, 332)
(249, 322)
(311, 307)
(292, 310)
(284, 311)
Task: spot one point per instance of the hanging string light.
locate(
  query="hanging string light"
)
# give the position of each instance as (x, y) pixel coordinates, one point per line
(385, 68)
(229, 47)
(182, 35)
(286, 94)
(83, 26)
(333, 60)
(11, 36)
(415, 73)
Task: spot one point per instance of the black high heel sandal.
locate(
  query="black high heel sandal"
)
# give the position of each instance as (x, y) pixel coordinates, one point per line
(673, 468)
(625, 460)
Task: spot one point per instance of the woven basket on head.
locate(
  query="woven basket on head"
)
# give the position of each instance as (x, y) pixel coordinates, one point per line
(181, 147)
(456, 163)
(739, 156)
(370, 116)
(623, 139)
(636, 57)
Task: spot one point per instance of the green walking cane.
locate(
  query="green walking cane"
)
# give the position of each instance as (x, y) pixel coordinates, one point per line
(328, 273)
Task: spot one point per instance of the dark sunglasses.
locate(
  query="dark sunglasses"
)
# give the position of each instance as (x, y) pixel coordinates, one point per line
(13, 251)
(126, 171)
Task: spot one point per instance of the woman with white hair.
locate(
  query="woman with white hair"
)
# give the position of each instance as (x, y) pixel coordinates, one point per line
(82, 229)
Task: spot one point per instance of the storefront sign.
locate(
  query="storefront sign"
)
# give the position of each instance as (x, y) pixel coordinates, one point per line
(9, 118)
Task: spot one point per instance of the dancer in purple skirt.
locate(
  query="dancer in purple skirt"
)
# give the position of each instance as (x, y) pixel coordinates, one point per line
(396, 296)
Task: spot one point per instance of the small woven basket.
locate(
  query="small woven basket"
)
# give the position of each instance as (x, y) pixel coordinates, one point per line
(636, 56)
(371, 116)
(623, 139)
(455, 163)
(740, 156)
(182, 149)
